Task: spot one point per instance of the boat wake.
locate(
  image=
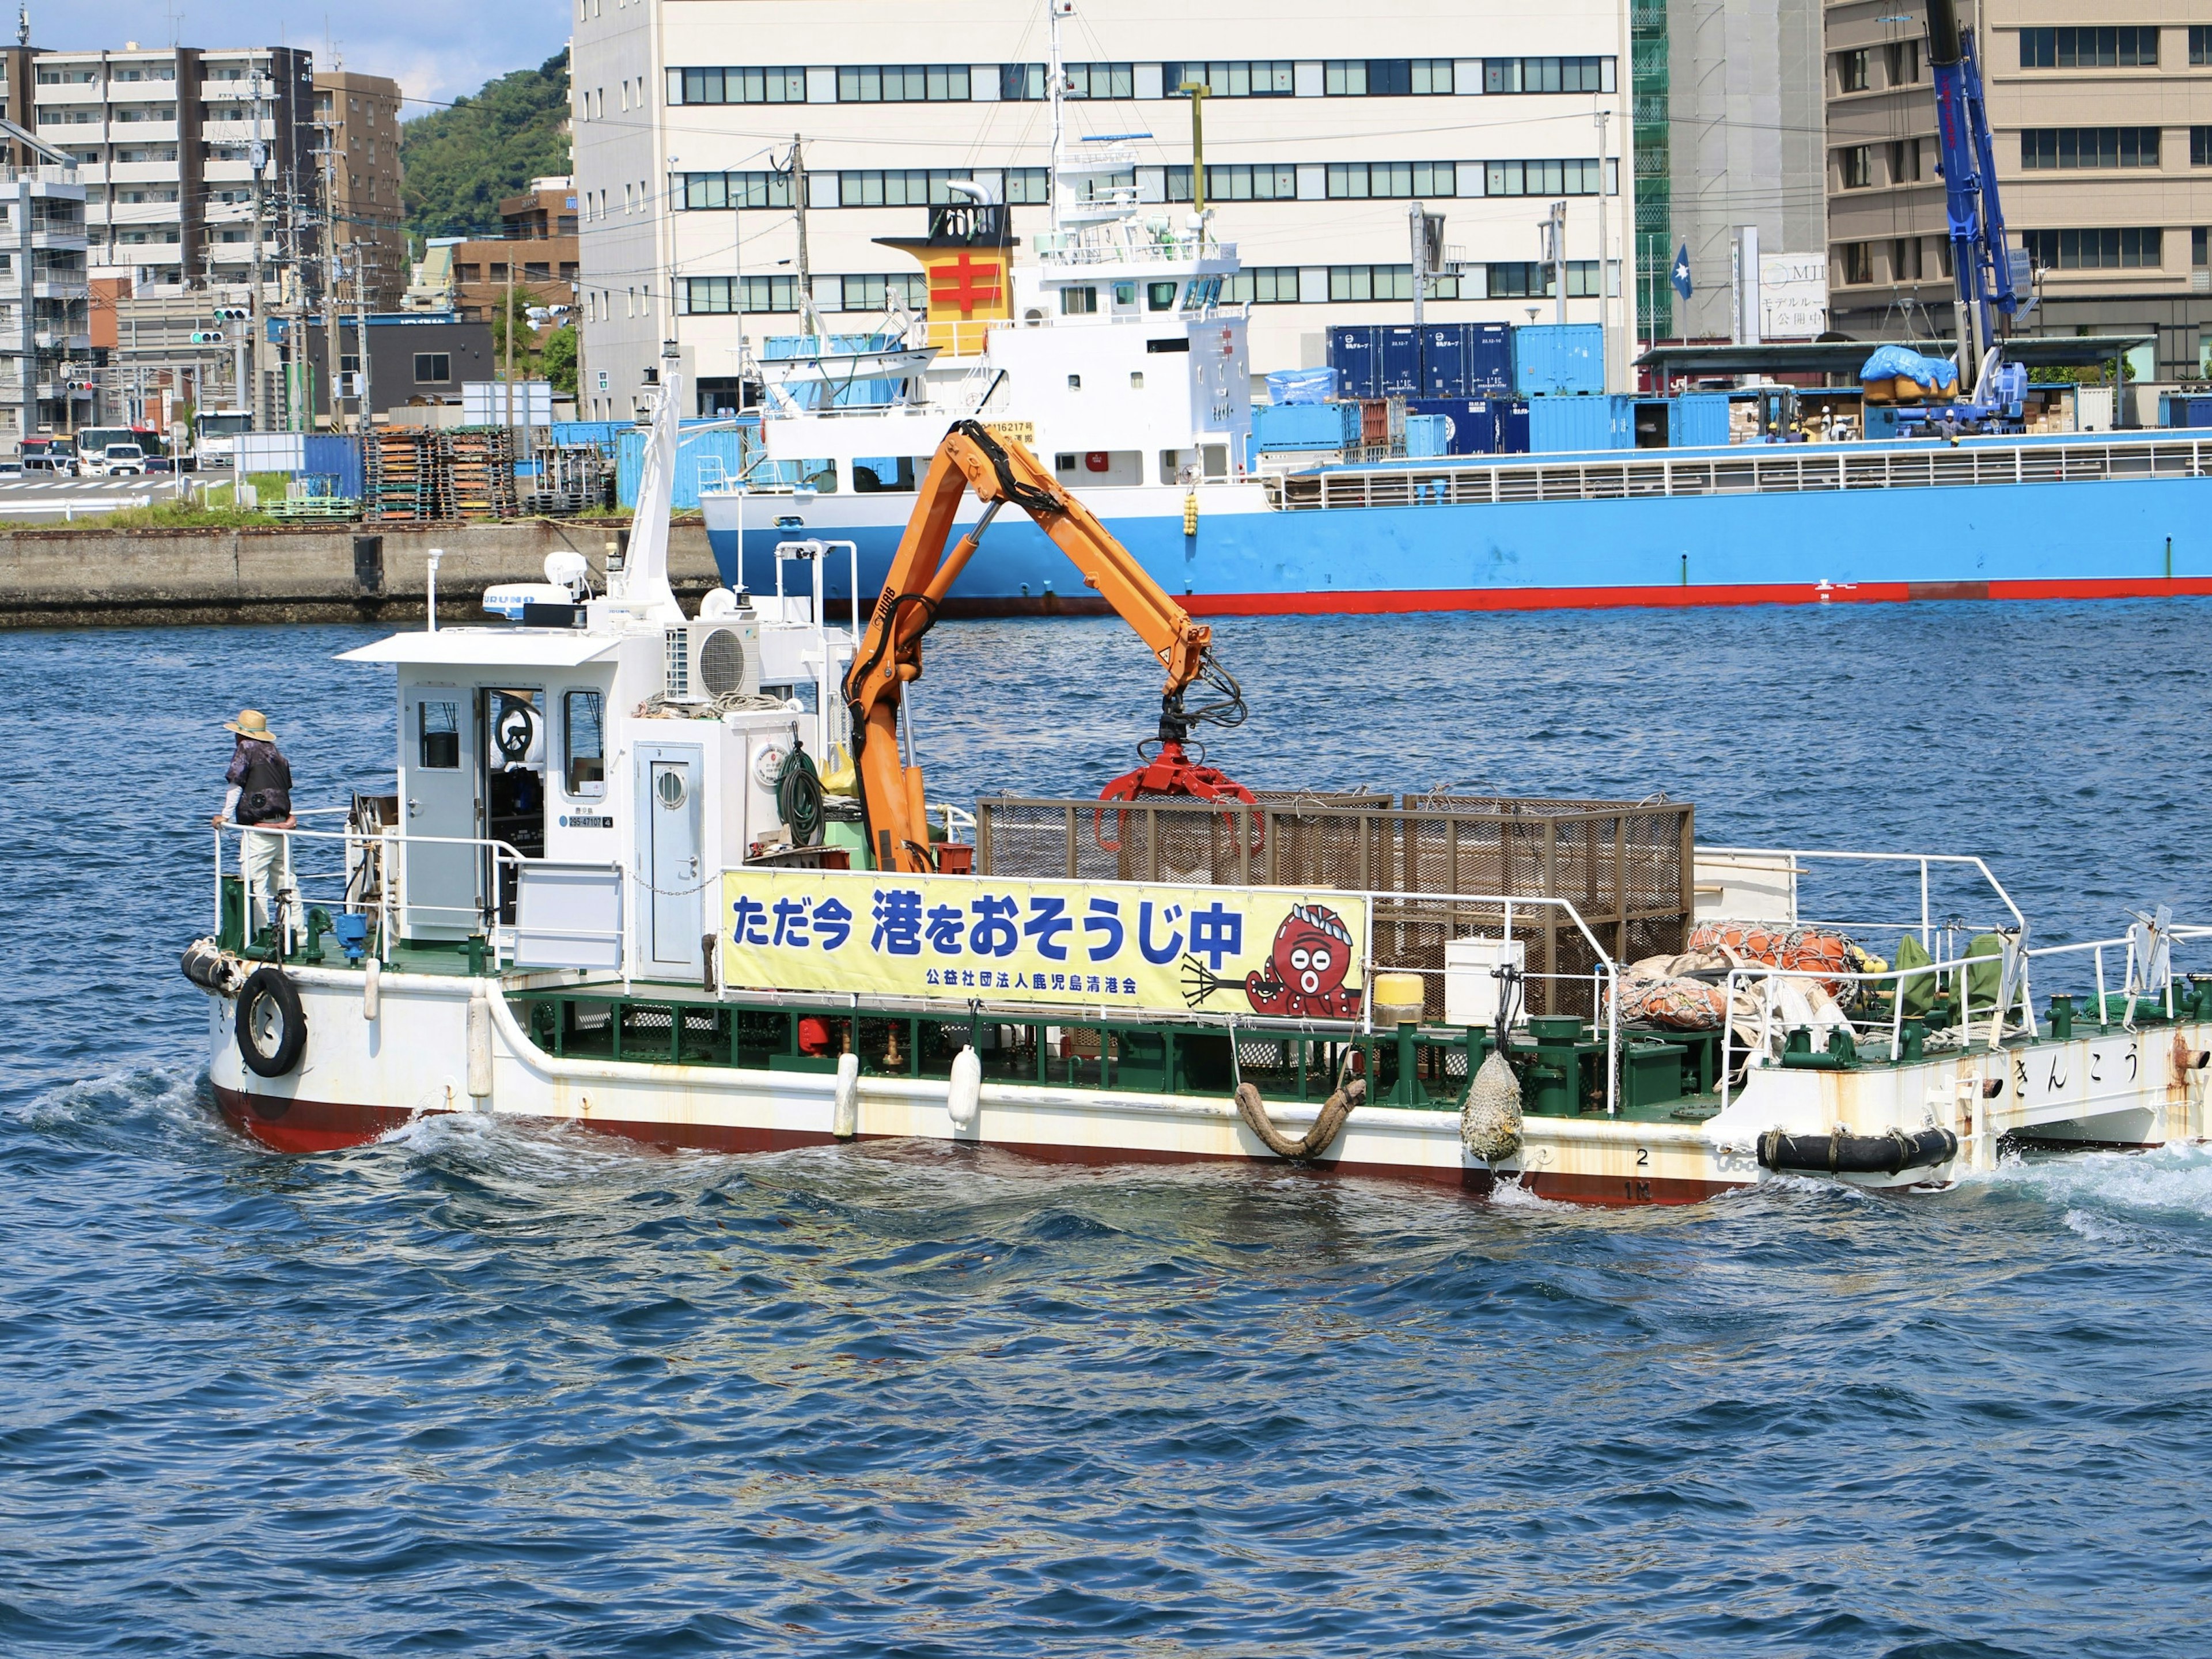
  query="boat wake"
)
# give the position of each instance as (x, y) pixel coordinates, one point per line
(2160, 1198)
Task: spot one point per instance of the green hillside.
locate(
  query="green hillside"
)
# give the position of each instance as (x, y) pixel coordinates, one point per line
(461, 160)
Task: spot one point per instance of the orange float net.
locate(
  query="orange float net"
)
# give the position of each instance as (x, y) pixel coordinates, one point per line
(1819, 953)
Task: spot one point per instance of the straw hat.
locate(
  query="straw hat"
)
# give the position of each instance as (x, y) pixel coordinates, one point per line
(251, 723)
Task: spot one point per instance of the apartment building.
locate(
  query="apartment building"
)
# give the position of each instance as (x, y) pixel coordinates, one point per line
(535, 249)
(2102, 122)
(45, 343)
(688, 204)
(357, 117)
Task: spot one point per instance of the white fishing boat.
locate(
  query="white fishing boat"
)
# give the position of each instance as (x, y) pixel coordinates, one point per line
(609, 892)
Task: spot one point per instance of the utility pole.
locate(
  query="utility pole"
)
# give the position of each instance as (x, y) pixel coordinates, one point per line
(1604, 334)
(257, 157)
(795, 165)
(331, 266)
(1555, 235)
(507, 324)
(1420, 222)
(362, 420)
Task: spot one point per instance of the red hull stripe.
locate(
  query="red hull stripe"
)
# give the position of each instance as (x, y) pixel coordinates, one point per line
(306, 1126)
(1600, 599)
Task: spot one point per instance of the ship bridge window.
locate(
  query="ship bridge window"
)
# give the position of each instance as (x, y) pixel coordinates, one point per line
(1079, 301)
(584, 744)
(1203, 292)
(438, 736)
(1124, 297)
(887, 474)
(1160, 296)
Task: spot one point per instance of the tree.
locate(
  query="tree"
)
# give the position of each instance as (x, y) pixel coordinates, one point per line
(460, 161)
(557, 352)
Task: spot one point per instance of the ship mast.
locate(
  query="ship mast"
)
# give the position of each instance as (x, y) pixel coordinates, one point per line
(1056, 75)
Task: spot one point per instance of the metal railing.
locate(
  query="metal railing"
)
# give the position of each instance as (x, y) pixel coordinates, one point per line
(371, 879)
(1763, 470)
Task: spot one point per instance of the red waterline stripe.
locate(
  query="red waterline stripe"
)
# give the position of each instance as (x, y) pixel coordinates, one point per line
(1387, 602)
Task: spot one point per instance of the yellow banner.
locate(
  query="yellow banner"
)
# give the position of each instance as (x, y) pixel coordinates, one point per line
(1142, 949)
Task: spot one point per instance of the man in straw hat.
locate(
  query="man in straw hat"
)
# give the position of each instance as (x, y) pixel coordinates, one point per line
(260, 800)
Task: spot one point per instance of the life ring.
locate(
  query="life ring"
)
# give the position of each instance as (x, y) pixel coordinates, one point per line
(272, 1031)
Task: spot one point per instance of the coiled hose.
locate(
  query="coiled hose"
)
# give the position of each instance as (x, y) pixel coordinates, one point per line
(799, 798)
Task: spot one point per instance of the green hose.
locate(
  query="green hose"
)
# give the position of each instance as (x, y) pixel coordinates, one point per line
(799, 798)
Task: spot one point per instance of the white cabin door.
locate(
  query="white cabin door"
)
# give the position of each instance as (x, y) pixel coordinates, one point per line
(669, 841)
(438, 799)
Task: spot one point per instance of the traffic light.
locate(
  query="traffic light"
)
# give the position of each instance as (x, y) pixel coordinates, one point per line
(207, 336)
(231, 313)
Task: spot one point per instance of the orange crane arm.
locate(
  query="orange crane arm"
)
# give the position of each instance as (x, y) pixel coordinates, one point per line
(998, 470)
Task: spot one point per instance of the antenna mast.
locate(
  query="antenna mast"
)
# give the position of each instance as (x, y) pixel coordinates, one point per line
(1055, 77)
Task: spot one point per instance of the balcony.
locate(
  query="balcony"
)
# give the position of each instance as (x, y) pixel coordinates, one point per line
(52, 340)
(149, 132)
(71, 239)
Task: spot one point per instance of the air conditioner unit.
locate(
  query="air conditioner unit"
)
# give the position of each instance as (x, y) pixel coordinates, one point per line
(716, 657)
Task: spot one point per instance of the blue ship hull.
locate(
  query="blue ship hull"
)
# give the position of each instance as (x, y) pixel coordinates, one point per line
(2111, 537)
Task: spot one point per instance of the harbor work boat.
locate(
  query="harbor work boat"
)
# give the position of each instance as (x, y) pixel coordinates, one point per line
(612, 892)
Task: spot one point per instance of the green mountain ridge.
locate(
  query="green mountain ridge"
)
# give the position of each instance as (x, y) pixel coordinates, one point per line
(460, 160)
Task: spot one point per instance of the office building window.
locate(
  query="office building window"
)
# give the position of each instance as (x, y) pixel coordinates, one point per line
(1237, 181)
(1858, 262)
(2200, 147)
(1856, 165)
(2090, 48)
(1564, 178)
(2045, 148)
(432, 368)
(1904, 62)
(1548, 75)
(1531, 279)
(1261, 285)
(933, 186)
(1904, 259)
(2095, 250)
(1387, 77)
(1904, 161)
(735, 190)
(876, 293)
(786, 85)
(1851, 71)
(1261, 78)
(1102, 80)
(1357, 181)
(902, 83)
(718, 296)
(1384, 283)
(2200, 247)
(2200, 44)
(1020, 83)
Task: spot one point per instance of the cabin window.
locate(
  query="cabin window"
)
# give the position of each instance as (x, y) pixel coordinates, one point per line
(584, 759)
(438, 736)
(888, 475)
(1160, 296)
(1136, 380)
(1125, 293)
(1077, 301)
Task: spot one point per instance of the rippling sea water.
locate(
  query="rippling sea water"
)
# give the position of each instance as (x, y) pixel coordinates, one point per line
(503, 1391)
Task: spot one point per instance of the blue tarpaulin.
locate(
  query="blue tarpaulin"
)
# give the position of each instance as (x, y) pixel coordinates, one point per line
(1301, 386)
(1891, 363)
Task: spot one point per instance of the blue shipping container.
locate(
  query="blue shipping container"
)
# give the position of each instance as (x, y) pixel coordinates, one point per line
(1564, 424)
(1550, 358)
(335, 457)
(701, 458)
(1352, 354)
(1425, 436)
(1306, 426)
(1512, 426)
(1701, 420)
(1399, 352)
(1489, 360)
(1443, 360)
(1471, 423)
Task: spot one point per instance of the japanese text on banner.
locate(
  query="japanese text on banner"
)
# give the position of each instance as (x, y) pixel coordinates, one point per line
(1156, 949)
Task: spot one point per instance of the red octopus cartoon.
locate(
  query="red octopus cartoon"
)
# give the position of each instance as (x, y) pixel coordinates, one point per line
(1304, 976)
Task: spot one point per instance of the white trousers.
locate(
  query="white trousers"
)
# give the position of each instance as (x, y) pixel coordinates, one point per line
(268, 862)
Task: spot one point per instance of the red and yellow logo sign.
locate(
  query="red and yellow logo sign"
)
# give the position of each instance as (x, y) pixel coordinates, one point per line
(969, 285)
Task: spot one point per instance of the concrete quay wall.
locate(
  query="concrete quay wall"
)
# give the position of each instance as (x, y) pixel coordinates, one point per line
(81, 575)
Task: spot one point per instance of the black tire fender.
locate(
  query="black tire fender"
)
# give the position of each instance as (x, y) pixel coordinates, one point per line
(272, 986)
